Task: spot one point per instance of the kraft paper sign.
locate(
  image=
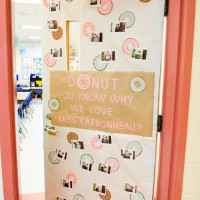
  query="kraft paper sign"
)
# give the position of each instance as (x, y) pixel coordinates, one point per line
(114, 102)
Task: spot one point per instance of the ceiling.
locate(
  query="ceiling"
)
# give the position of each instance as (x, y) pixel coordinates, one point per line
(27, 13)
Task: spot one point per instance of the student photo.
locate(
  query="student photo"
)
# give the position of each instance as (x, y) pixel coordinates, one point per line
(77, 144)
(105, 139)
(54, 6)
(118, 27)
(139, 54)
(104, 168)
(86, 165)
(108, 56)
(99, 188)
(130, 188)
(62, 154)
(96, 37)
(128, 154)
(52, 25)
(66, 183)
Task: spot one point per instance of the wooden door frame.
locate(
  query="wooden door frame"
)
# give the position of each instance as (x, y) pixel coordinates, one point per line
(180, 32)
(176, 95)
(7, 105)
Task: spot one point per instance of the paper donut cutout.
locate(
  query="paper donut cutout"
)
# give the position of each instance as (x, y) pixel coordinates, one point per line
(114, 164)
(137, 196)
(93, 144)
(83, 81)
(69, 0)
(109, 7)
(107, 196)
(136, 146)
(45, 3)
(129, 15)
(53, 157)
(145, 1)
(88, 158)
(86, 26)
(72, 177)
(54, 104)
(57, 34)
(47, 62)
(99, 65)
(142, 84)
(71, 136)
(127, 42)
(78, 197)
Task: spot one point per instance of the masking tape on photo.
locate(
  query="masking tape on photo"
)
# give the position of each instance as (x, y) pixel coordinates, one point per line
(99, 65)
(135, 146)
(107, 196)
(106, 7)
(72, 136)
(57, 35)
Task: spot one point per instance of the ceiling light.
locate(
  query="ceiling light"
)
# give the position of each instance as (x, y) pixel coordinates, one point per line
(27, 1)
(30, 27)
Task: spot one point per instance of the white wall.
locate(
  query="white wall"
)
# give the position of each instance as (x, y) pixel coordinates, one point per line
(1, 183)
(191, 182)
(34, 50)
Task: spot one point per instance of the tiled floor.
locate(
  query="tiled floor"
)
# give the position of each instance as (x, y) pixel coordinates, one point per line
(32, 159)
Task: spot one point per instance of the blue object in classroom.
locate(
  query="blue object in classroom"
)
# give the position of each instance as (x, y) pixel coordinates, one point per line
(17, 77)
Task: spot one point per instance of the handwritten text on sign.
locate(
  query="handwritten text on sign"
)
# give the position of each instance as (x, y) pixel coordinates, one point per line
(115, 102)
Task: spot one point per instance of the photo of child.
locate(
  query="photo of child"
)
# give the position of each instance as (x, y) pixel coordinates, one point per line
(77, 144)
(94, 3)
(108, 56)
(62, 154)
(86, 165)
(104, 168)
(66, 183)
(118, 27)
(105, 139)
(99, 188)
(52, 25)
(56, 52)
(128, 154)
(96, 37)
(132, 188)
(54, 6)
(139, 54)
(59, 198)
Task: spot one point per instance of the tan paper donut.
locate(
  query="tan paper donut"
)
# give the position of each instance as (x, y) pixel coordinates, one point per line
(71, 136)
(57, 34)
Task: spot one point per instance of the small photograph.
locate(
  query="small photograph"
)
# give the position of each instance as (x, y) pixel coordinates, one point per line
(66, 183)
(86, 165)
(52, 25)
(62, 154)
(118, 27)
(77, 144)
(139, 54)
(56, 52)
(96, 37)
(128, 187)
(99, 188)
(128, 154)
(95, 3)
(104, 168)
(54, 6)
(60, 198)
(105, 139)
(108, 56)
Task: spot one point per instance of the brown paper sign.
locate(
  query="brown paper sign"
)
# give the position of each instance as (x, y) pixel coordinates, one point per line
(114, 102)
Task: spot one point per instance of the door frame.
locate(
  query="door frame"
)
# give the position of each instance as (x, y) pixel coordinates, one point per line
(180, 32)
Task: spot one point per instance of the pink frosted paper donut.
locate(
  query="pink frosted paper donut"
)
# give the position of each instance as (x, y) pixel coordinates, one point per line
(106, 11)
(113, 161)
(72, 177)
(45, 3)
(83, 81)
(126, 44)
(47, 62)
(86, 26)
(93, 144)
